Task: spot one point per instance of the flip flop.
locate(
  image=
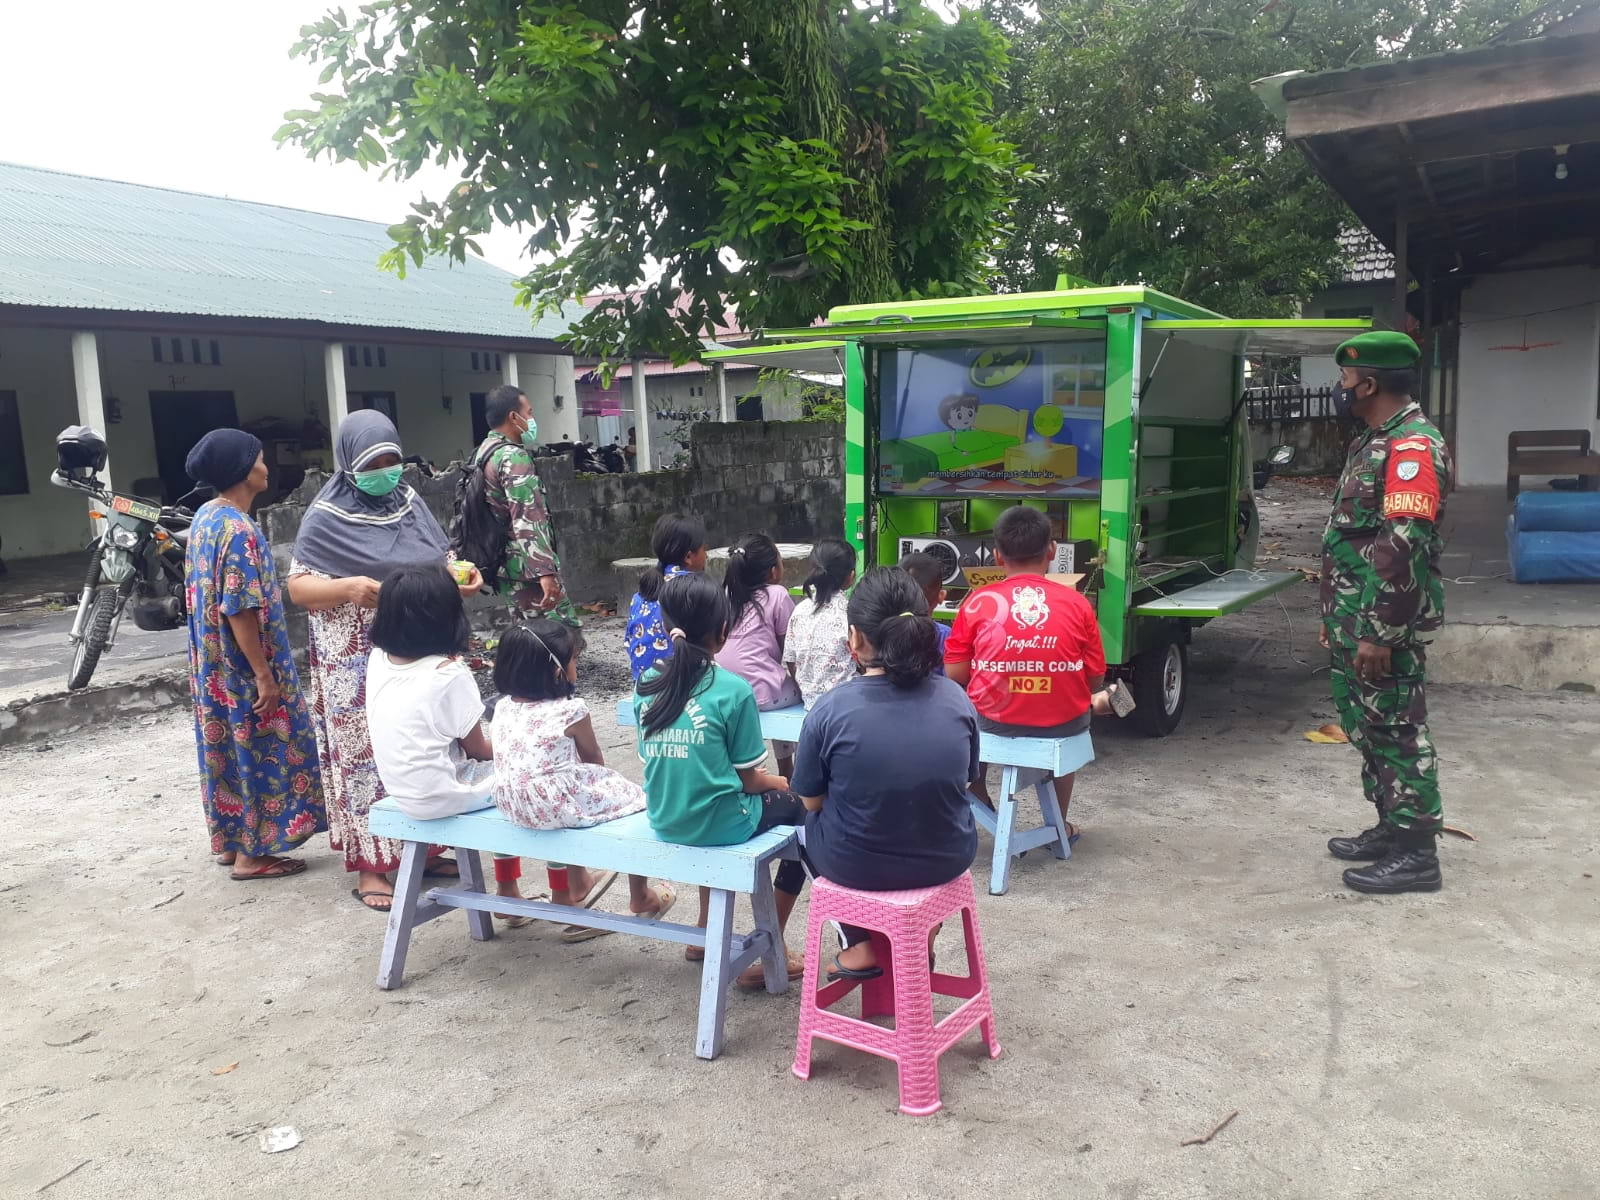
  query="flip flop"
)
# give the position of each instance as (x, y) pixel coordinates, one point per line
(667, 898)
(362, 897)
(754, 977)
(431, 869)
(839, 971)
(600, 887)
(278, 868)
(574, 934)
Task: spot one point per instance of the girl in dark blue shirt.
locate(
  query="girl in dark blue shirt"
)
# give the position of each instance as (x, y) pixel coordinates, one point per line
(885, 760)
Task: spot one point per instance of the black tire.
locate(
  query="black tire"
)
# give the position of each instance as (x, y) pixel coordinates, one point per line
(1161, 686)
(86, 655)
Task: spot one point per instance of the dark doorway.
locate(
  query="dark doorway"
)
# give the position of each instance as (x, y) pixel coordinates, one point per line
(749, 408)
(180, 419)
(480, 423)
(382, 401)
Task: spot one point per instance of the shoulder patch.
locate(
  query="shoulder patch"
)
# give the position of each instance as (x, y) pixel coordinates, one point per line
(1411, 485)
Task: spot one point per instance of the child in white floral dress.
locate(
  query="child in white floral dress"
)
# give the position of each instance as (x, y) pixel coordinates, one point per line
(549, 770)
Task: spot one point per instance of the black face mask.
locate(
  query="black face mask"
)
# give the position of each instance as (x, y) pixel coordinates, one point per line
(1344, 403)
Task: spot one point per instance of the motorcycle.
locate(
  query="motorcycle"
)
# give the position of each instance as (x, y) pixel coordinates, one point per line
(138, 557)
(1265, 468)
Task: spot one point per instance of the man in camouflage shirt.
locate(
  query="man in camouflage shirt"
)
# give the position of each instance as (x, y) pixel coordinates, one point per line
(531, 576)
(1381, 593)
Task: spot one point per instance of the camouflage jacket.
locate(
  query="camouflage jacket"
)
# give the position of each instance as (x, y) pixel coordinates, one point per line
(516, 496)
(1380, 551)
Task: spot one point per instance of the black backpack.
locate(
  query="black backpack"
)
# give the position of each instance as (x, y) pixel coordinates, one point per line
(477, 534)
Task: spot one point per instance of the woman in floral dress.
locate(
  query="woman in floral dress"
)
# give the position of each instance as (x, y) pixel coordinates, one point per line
(257, 754)
(362, 525)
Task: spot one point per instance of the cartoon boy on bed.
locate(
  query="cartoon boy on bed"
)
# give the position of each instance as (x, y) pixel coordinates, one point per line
(959, 413)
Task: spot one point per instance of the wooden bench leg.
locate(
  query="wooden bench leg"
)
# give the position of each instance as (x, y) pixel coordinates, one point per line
(479, 924)
(402, 915)
(1005, 820)
(1061, 847)
(775, 962)
(714, 975)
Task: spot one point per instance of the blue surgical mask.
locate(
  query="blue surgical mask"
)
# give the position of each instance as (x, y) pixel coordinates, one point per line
(379, 481)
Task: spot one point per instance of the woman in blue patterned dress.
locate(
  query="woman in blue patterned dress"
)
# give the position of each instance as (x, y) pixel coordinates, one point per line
(259, 781)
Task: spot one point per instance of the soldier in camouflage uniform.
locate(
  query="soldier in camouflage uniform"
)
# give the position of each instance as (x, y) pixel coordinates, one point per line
(531, 576)
(1381, 593)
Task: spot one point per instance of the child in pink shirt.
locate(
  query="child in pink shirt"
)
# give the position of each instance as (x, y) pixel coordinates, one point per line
(761, 610)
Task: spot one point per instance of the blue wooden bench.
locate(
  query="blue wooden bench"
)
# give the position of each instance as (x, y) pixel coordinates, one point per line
(1014, 755)
(627, 845)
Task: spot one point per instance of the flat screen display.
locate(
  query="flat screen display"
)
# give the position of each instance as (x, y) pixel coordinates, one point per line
(1016, 420)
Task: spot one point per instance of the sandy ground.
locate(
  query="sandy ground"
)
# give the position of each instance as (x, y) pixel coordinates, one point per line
(1198, 955)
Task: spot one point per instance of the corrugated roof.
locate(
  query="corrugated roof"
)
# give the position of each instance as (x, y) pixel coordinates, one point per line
(1366, 259)
(72, 241)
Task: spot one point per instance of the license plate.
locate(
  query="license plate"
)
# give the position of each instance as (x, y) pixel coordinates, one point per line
(136, 508)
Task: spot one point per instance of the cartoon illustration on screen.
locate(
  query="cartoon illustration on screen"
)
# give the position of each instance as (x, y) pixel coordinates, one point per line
(1018, 420)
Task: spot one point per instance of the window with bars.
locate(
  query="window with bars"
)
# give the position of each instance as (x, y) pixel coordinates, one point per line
(191, 351)
(366, 356)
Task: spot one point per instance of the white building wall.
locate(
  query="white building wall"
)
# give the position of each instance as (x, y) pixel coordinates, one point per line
(268, 377)
(1545, 387)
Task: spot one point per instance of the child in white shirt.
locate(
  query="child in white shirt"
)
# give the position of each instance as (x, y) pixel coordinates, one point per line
(816, 648)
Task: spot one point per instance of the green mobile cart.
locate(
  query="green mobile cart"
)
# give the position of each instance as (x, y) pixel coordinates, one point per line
(1117, 411)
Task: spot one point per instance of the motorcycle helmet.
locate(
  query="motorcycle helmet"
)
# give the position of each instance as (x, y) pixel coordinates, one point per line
(80, 448)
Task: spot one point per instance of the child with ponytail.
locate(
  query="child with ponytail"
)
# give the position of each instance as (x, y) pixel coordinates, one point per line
(815, 649)
(700, 741)
(679, 544)
(759, 610)
(885, 761)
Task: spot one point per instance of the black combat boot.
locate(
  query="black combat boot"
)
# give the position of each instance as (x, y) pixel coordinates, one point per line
(1367, 846)
(1412, 865)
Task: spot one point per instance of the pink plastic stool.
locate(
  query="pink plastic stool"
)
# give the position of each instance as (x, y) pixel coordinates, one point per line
(901, 922)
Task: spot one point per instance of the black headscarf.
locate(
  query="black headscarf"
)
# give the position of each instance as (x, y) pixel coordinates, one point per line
(346, 532)
(222, 458)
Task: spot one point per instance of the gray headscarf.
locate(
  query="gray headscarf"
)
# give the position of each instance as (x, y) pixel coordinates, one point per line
(347, 532)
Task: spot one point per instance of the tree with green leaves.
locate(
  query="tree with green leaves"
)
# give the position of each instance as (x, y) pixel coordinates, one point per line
(1157, 163)
(781, 156)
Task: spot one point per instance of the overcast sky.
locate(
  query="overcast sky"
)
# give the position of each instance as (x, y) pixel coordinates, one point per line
(183, 94)
(186, 94)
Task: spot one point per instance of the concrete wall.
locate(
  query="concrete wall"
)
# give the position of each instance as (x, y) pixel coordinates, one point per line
(783, 478)
(1547, 387)
(268, 377)
(1319, 444)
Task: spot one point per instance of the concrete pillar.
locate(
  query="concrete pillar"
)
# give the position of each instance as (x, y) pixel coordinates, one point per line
(725, 405)
(566, 398)
(641, 418)
(86, 381)
(338, 395)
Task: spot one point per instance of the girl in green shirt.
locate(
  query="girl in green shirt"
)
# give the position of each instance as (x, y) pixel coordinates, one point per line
(700, 741)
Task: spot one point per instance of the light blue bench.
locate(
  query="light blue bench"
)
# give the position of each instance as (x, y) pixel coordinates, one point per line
(1014, 755)
(627, 845)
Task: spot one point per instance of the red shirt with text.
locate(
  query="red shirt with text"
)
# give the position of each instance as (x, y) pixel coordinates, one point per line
(1034, 645)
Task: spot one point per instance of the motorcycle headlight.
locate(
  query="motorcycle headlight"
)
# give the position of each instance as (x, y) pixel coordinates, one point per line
(125, 538)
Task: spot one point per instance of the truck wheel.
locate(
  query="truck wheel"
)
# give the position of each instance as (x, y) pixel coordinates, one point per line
(1160, 687)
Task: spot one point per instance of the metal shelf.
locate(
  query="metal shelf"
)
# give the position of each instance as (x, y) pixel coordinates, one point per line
(1181, 494)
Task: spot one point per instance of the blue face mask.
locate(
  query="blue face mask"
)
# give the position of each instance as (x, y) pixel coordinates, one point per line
(380, 481)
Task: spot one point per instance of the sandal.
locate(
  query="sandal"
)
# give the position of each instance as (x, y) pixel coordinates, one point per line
(754, 977)
(435, 868)
(273, 868)
(839, 971)
(694, 954)
(574, 934)
(365, 899)
(601, 885)
(665, 899)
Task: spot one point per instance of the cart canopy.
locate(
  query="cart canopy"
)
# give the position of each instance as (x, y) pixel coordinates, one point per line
(1311, 336)
(816, 358)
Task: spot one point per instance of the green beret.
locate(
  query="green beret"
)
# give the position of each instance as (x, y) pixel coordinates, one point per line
(1379, 348)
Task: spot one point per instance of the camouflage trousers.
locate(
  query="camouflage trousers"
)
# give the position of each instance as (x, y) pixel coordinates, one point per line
(1388, 722)
(524, 599)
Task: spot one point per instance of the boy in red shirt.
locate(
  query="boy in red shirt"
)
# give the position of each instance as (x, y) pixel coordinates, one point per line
(1027, 649)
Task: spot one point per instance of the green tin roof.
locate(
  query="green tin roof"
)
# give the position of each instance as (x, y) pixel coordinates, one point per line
(74, 242)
